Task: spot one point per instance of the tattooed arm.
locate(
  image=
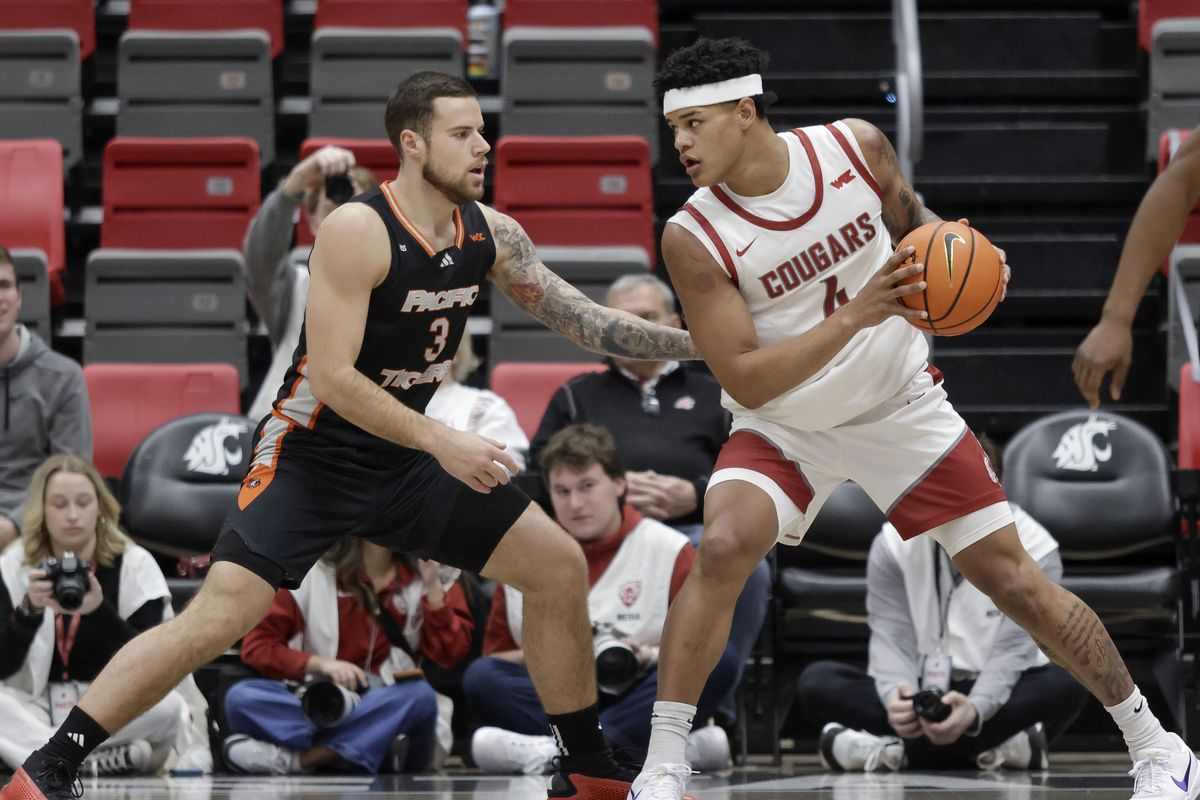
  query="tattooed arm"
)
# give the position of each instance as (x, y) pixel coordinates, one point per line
(532, 286)
(902, 209)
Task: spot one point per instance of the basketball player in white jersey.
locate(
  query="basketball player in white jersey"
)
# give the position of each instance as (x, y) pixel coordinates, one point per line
(783, 263)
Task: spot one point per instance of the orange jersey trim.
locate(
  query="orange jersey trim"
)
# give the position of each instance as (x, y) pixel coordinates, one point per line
(459, 231)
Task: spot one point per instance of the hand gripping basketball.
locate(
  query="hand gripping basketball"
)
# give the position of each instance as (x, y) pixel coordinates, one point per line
(880, 298)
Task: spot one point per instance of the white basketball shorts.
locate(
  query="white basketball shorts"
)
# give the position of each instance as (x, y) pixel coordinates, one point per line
(912, 454)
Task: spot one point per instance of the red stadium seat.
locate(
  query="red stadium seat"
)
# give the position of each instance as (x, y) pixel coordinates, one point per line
(377, 155)
(31, 203)
(578, 190)
(1189, 419)
(582, 13)
(179, 193)
(128, 401)
(528, 386)
(1151, 11)
(392, 14)
(189, 15)
(77, 15)
(1168, 143)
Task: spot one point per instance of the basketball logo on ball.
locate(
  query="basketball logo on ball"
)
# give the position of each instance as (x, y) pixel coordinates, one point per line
(963, 277)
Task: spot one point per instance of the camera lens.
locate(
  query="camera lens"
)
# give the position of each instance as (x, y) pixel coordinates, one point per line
(338, 188)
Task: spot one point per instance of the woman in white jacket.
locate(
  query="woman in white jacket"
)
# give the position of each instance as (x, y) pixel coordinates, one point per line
(48, 653)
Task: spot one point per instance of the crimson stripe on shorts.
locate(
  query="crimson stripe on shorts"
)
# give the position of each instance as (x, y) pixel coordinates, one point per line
(957, 484)
(750, 450)
(715, 238)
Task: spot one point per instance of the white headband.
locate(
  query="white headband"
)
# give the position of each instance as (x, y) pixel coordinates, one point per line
(708, 94)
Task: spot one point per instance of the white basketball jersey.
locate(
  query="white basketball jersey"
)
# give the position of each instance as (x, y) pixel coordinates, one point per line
(799, 253)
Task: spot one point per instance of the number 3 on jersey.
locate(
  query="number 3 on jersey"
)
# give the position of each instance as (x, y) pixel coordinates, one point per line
(440, 328)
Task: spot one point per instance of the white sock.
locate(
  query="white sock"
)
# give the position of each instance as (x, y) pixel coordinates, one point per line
(1139, 726)
(670, 725)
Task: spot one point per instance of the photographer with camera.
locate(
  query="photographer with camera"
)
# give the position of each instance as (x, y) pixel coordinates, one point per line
(951, 682)
(353, 637)
(635, 568)
(277, 289)
(73, 591)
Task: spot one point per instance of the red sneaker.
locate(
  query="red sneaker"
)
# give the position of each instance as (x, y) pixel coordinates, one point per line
(57, 784)
(586, 787)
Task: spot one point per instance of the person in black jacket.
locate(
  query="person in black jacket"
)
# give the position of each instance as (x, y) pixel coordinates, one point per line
(669, 426)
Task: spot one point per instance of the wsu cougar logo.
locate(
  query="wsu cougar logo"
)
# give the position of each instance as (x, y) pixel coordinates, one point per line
(1077, 448)
(208, 453)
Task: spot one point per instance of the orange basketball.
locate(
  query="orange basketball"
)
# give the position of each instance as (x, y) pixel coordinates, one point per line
(962, 277)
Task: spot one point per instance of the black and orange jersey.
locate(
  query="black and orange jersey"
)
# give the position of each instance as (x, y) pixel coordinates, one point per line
(415, 320)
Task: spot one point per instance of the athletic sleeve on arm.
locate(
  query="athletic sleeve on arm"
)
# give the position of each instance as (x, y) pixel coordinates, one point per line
(265, 647)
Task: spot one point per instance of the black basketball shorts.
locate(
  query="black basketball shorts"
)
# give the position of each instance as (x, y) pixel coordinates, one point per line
(308, 492)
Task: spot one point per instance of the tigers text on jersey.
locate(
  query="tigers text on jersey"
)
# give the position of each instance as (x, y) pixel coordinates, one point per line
(415, 320)
(800, 253)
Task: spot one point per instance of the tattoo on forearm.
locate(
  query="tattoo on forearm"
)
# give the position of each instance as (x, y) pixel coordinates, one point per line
(561, 307)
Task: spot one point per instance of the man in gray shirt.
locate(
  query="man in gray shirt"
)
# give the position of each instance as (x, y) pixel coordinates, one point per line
(277, 287)
(1002, 699)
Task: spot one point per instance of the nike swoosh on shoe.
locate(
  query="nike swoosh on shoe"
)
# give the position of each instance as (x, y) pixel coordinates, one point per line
(1184, 785)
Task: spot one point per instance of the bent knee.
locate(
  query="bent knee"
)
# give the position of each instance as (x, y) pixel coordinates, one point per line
(554, 565)
(727, 555)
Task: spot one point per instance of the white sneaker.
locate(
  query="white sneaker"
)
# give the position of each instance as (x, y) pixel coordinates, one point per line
(708, 749)
(1024, 750)
(131, 758)
(1166, 774)
(504, 752)
(843, 749)
(664, 782)
(253, 757)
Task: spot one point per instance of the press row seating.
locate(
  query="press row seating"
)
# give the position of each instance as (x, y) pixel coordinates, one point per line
(31, 204)
(130, 400)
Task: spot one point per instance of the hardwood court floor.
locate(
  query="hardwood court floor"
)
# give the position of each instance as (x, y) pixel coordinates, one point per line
(1097, 778)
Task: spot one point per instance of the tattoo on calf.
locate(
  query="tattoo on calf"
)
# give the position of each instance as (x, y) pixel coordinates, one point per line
(1088, 644)
(561, 307)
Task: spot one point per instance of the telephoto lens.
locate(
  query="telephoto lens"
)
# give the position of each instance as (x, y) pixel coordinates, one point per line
(327, 704)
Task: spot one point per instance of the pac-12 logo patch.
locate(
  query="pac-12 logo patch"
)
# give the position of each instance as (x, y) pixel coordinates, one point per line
(630, 593)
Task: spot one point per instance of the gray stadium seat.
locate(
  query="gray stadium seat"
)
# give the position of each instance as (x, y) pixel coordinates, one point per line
(40, 90)
(355, 70)
(175, 83)
(516, 336)
(33, 275)
(178, 306)
(580, 82)
(1174, 78)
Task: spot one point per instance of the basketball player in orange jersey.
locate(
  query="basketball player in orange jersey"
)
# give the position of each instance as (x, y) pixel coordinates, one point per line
(346, 448)
(783, 262)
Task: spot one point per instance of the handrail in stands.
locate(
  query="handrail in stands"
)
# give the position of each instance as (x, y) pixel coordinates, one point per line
(910, 96)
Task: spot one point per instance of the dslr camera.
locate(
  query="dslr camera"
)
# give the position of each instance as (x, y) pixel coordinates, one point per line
(338, 188)
(325, 703)
(616, 663)
(70, 578)
(928, 704)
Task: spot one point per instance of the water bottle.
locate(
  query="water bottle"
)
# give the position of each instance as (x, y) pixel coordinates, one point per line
(483, 45)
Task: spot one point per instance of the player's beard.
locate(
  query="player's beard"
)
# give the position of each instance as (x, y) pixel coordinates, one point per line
(456, 191)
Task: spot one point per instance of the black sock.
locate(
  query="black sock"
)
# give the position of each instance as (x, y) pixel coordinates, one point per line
(74, 740)
(578, 733)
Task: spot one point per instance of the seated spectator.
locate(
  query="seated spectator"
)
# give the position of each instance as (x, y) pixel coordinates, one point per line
(466, 408)
(277, 290)
(45, 405)
(55, 637)
(669, 426)
(932, 630)
(635, 567)
(363, 619)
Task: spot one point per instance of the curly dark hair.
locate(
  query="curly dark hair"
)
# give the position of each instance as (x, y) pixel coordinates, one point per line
(713, 60)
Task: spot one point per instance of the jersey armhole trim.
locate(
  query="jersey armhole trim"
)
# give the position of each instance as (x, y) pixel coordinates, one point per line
(855, 160)
(715, 238)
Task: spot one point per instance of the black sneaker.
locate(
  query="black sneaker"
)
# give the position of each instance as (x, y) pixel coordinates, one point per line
(42, 778)
(398, 753)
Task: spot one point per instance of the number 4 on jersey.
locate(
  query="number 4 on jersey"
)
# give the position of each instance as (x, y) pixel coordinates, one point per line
(835, 298)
